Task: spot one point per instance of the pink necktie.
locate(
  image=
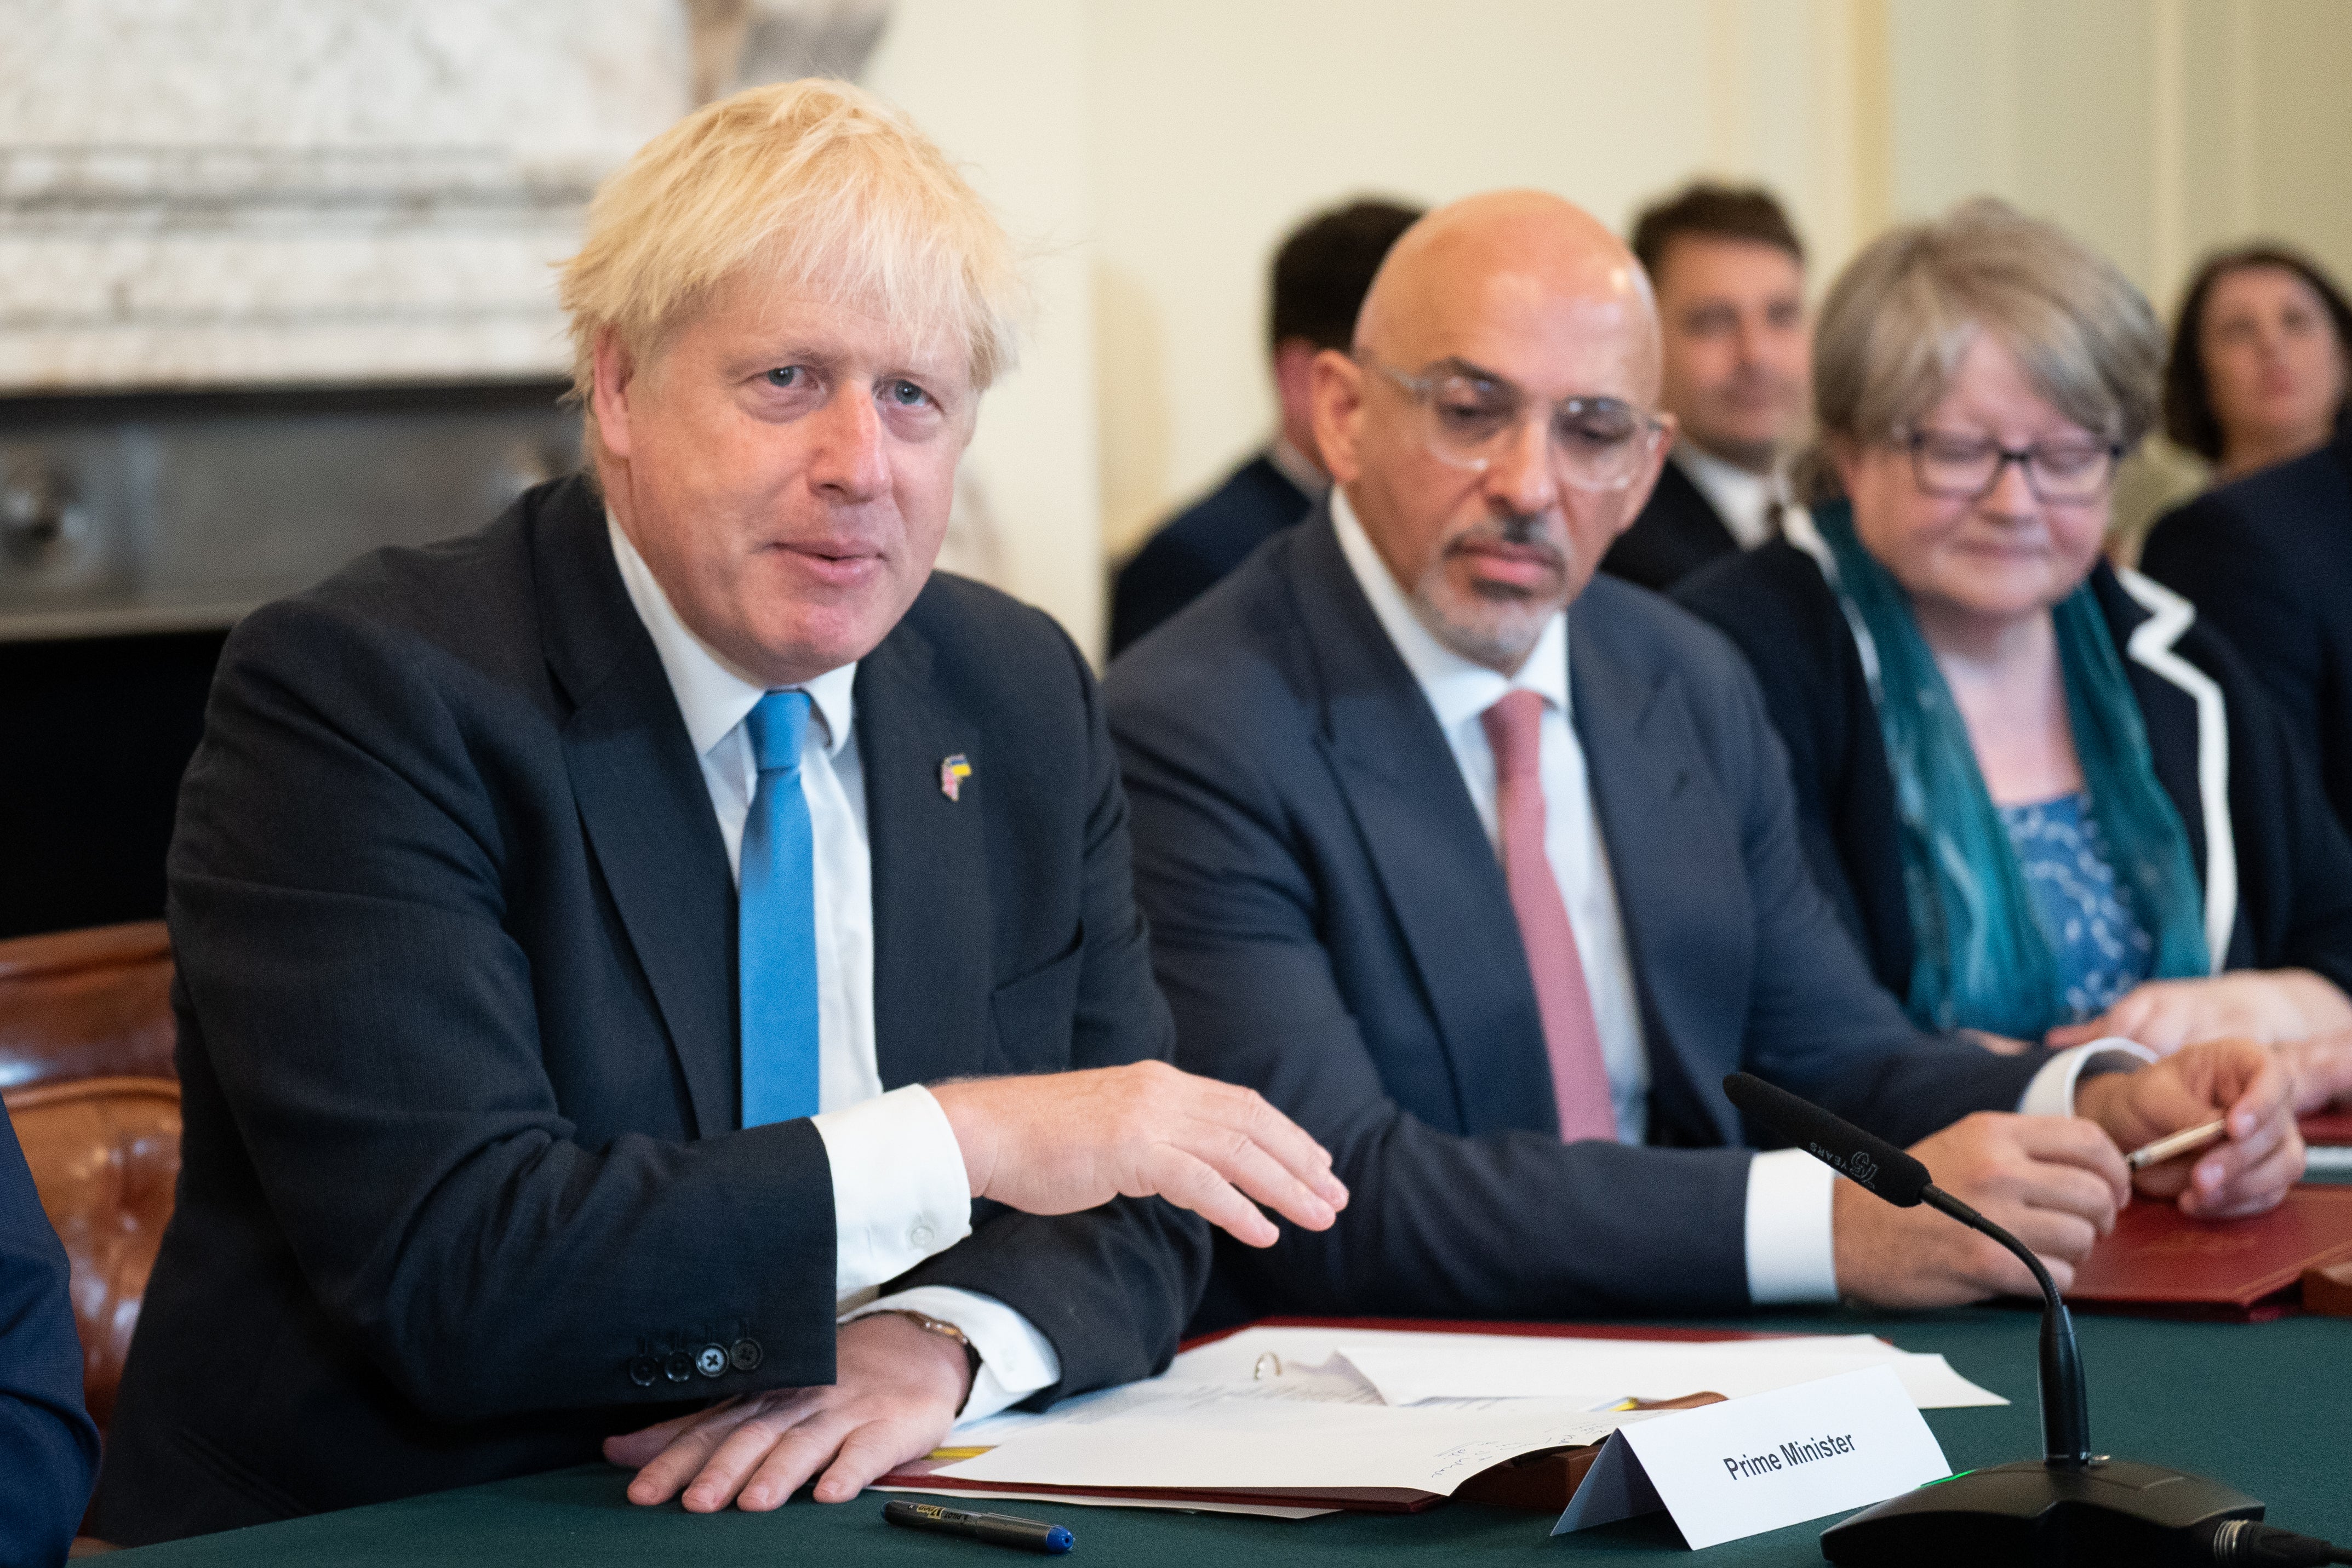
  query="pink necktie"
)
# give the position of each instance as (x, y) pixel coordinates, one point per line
(1580, 1081)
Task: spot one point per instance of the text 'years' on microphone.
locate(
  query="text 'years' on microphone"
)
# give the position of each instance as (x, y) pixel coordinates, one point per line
(2070, 1507)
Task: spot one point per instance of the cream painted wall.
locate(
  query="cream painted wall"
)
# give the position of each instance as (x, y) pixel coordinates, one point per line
(1155, 153)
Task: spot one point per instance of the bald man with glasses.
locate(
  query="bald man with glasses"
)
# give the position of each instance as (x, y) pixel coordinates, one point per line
(1485, 869)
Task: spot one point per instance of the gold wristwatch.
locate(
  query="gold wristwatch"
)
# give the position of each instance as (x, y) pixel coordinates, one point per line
(946, 1330)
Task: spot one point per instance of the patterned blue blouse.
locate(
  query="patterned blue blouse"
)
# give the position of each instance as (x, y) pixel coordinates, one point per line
(2100, 948)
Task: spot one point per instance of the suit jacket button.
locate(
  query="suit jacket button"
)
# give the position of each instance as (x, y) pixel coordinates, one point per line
(711, 1360)
(678, 1367)
(643, 1370)
(745, 1355)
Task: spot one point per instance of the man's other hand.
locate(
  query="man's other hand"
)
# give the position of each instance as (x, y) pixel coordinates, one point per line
(2053, 1182)
(896, 1393)
(2321, 1071)
(1065, 1141)
(2236, 1081)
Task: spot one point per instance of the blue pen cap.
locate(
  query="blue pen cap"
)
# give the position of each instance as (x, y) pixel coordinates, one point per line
(1059, 1539)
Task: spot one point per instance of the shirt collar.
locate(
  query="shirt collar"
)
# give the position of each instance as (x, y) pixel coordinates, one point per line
(1457, 687)
(1298, 468)
(713, 696)
(1740, 496)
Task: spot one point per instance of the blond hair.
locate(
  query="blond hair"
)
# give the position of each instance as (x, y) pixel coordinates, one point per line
(813, 183)
(1898, 320)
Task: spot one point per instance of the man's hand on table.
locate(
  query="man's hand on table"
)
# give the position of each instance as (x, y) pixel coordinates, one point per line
(2236, 1079)
(897, 1394)
(1065, 1141)
(2053, 1182)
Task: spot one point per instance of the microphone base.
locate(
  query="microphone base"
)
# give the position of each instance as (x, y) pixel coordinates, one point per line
(2108, 1512)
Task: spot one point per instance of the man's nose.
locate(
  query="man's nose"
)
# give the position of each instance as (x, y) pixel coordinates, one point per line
(847, 456)
(1521, 474)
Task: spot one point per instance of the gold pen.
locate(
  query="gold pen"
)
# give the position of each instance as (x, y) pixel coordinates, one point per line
(2187, 1140)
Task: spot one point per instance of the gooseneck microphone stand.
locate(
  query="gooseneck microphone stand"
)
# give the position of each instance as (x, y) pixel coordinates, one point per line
(2070, 1507)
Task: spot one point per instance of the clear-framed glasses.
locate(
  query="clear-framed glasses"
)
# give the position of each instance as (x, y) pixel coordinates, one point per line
(1594, 442)
(1963, 468)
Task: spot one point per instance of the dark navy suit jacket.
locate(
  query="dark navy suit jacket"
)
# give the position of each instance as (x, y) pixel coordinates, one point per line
(48, 1449)
(1184, 559)
(1332, 927)
(456, 939)
(1677, 531)
(2268, 560)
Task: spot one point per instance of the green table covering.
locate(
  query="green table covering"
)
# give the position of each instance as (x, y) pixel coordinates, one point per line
(2266, 1408)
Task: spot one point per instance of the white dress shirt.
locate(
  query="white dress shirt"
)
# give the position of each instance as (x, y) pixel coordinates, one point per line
(1790, 1251)
(899, 1192)
(1742, 498)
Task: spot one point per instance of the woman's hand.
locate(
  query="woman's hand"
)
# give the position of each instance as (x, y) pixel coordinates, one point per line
(2268, 1006)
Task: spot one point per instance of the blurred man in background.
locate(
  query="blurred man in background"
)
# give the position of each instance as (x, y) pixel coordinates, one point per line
(1729, 273)
(1320, 275)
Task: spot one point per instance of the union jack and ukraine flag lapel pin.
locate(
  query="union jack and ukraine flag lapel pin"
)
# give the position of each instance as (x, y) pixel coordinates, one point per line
(953, 771)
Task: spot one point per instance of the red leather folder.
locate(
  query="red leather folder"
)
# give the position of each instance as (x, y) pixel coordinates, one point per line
(2326, 1127)
(2159, 1259)
(1511, 1484)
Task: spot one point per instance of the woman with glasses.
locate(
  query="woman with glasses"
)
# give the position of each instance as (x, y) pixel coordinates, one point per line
(2052, 805)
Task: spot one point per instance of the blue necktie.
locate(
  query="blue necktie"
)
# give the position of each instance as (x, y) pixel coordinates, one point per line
(776, 921)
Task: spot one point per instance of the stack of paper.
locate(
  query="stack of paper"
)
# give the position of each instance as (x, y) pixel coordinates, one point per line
(1307, 1409)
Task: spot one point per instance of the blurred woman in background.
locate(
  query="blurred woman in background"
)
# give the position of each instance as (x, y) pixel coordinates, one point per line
(2258, 377)
(2051, 803)
(2260, 360)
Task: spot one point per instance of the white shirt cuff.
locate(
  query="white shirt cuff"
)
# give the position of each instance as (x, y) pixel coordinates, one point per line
(1015, 1360)
(2051, 1092)
(899, 1192)
(1791, 1254)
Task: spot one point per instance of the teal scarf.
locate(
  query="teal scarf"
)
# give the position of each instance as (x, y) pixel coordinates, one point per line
(1982, 960)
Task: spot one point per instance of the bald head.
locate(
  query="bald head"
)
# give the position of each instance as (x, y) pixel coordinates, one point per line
(1495, 428)
(1512, 257)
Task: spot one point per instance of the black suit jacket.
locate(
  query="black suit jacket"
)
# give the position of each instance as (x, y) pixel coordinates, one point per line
(2268, 560)
(456, 939)
(2274, 864)
(48, 1449)
(1184, 559)
(1332, 927)
(1677, 532)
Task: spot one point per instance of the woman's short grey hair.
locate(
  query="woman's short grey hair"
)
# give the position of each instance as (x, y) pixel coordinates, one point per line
(1892, 333)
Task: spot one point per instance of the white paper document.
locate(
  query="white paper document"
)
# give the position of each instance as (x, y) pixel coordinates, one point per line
(1299, 1408)
(1725, 1471)
(1410, 1368)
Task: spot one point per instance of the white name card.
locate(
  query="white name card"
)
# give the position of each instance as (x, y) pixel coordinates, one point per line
(1750, 1464)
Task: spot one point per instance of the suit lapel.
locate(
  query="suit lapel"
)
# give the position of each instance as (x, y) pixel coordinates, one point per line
(1443, 882)
(1674, 867)
(641, 798)
(932, 936)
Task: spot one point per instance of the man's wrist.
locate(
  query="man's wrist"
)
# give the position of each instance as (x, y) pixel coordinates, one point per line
(949, 1343)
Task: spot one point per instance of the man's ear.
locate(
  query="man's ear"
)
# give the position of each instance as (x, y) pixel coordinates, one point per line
(616, 372)
(1336, 387)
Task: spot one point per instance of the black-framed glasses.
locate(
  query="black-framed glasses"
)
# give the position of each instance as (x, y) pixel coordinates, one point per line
(1963, 468)
(1467, 416)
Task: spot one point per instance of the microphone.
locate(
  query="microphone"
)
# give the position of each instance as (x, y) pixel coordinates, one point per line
(2068, 1507)
(1879, 1167)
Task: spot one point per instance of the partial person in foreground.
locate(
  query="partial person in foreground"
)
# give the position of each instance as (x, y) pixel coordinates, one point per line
(1729, 273)
(48, 1449)
(1485, 869)
(567, 919)
(2046, 797)
(2259, 375)
(1320, 274)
